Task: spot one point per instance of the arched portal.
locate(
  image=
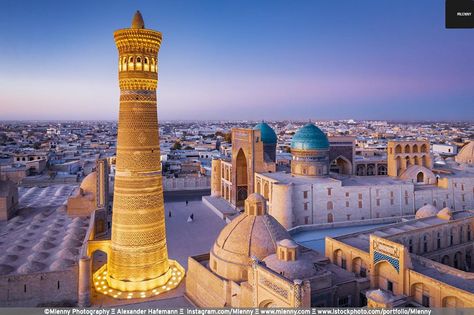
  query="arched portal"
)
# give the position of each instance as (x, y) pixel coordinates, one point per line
(266, 304)
(420, 177)
(241, 178)
(341, 165)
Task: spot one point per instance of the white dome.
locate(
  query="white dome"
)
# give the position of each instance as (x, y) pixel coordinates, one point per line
(426, 211)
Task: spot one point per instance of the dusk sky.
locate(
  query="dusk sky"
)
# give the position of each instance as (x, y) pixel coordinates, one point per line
(390, 59)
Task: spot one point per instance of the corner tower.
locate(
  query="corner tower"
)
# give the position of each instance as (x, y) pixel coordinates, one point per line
(137, 254)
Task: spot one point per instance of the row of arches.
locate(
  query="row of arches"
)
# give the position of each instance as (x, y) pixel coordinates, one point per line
(138, 63)
(265, 192)
(406, 161)
(438, 239)
(410, 148)
(371, 170)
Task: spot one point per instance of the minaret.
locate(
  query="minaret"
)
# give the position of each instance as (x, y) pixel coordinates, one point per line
(137, 255)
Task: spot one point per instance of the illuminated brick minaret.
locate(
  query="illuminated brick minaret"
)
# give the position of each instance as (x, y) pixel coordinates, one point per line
(137, 252)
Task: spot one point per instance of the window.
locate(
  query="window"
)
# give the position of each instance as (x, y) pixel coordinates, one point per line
(391, 194)
(410, 246)
(343, 263)
(347, 194)
(347, 204)
(425, 300)
(363, 272)
(360, 196)
(306, 220)
(360, 204)
(305, 206)
(305, 194)
(329, 205)
(378, 202)
(329, 191)
(389, 286)
(438, 241)
(348, 217)
(58, 285)
(406, 200)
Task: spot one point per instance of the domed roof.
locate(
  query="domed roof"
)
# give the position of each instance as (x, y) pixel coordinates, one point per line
(310, 137)
(426, 211)
(445, 214)
(288, 243)
(466, 155)
(5, 269)
(30, 267)
(137, 21)
(251, 234)
(268, 134)
(301, 268)
(379, 296)
(89, 183)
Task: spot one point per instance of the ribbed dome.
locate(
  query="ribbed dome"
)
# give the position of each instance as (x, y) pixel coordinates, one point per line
(310, 137)
(268, 134)
(245, 237)
(426, 211)
(466, 155)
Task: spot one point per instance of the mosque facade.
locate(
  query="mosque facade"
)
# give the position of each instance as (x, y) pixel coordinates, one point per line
(312, 194)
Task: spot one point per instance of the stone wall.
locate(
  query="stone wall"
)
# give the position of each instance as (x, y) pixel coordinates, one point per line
(186, 183)
(204, 288)
(36, 289)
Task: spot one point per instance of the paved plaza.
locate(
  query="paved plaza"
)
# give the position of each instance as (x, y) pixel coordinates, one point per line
(184, 239)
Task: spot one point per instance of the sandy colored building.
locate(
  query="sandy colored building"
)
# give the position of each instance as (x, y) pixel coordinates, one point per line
(310, 194)
(255, 263)
(422, 262)
(8, 199)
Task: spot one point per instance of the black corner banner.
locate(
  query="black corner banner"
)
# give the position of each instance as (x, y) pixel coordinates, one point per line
(459, 13)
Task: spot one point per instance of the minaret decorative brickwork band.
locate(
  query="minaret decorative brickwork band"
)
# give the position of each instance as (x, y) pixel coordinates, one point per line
(138, 256)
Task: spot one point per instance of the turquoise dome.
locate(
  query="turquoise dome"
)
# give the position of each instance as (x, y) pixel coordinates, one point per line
(268, 134)
(310, 137)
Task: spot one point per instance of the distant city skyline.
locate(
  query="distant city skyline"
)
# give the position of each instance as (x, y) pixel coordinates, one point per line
(272, 60)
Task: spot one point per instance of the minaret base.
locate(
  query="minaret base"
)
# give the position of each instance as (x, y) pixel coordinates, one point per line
(139, 289)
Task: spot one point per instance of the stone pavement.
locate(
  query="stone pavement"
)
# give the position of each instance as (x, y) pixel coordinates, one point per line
(184, 240)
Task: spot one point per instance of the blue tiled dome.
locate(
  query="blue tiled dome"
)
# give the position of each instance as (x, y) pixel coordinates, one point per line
(268, 134)
(310, 137)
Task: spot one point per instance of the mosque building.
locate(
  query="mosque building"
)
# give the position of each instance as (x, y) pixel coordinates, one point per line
(255, 263)
(322, 187)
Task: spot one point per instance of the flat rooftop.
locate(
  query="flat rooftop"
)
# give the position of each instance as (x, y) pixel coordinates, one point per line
(361, 241)
(466, 284)
(41, 237)
(345, 180)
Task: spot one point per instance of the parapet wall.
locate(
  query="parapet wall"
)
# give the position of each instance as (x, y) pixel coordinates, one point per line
(186, 183)
(38, 289)
(203, 287)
